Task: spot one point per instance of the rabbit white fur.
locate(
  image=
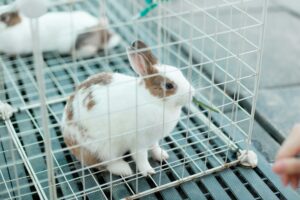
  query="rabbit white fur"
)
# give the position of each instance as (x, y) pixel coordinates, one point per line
(58, 32)
(128, 111)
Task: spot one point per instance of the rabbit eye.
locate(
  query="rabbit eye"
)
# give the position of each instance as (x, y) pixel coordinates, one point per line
(169, 86)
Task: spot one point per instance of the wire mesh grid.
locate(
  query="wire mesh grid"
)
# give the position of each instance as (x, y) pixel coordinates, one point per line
(217, 46)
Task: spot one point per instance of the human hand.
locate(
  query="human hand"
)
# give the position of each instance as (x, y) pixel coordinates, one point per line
(287, 165)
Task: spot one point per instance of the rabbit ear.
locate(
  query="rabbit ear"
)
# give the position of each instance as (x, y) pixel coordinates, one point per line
(138, 62)
(141, 59)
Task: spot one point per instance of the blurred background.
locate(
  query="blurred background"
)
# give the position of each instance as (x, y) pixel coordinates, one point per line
(278, 106)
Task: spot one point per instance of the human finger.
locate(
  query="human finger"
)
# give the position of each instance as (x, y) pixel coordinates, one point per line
(291, 146)
(287, 166)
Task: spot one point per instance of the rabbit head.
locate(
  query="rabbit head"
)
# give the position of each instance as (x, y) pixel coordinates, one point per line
(9, 19)
(162, 81)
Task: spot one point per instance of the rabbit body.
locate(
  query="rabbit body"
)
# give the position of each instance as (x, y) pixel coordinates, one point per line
(119, 119)
(110, 114)
(57, 31)
(119, 105)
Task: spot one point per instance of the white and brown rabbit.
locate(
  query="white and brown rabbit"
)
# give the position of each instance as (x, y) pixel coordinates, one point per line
(111, 113)
(59, 31)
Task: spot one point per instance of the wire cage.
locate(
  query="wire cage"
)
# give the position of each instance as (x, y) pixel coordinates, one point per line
(216, 44)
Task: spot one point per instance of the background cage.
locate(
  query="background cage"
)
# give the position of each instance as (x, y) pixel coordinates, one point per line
(217, 41)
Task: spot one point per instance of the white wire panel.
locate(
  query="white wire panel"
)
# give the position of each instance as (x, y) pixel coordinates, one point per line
(215, 43)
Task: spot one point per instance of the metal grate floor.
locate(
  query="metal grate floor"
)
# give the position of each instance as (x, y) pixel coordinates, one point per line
(192, 152)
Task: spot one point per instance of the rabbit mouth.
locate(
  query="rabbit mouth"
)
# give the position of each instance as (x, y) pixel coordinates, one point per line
(184, 99)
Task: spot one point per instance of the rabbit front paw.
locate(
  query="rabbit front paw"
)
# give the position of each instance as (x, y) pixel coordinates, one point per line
(147, 171)
(159, 154)
(142, 163)
(119, 167)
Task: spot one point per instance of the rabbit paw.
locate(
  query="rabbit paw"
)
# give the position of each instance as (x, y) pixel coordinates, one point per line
(148, 171)
(159, 154)
(119, 167)
(6, 111)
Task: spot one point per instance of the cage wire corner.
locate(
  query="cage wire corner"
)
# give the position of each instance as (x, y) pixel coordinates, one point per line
(248, 158)
(6, 111)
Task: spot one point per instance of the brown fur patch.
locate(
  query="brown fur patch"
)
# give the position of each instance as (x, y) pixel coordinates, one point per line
(104, 36)
(10, 19)
(101, 79)
(69, 108)
(98, 38)
(156, 87)
(80, 152)
(140, 45)
(89, 101)
(91, 104)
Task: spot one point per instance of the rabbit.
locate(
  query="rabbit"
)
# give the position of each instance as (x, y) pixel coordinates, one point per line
(58, 31)
(110, 114)
(96, 38)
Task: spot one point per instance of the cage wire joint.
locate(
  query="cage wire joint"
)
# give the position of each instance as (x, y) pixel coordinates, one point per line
(6, 110)
(248, 158)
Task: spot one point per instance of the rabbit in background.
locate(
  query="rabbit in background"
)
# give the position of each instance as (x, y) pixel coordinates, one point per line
(100, 125)
(58, 31)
